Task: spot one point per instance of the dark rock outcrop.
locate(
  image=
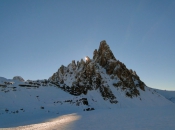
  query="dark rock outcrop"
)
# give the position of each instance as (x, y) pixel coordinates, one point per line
(19, 78)
(86, 75)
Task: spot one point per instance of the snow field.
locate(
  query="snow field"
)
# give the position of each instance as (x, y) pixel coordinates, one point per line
(119, 119)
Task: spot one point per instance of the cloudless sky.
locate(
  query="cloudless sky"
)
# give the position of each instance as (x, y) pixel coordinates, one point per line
(38, 36)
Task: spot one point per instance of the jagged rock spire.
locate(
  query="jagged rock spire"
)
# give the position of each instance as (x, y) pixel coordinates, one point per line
(103, 54)
(86, 75)
(88, 60)
(105, 50)
(95, 54)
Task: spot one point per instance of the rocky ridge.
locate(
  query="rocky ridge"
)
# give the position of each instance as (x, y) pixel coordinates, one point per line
(96, 74)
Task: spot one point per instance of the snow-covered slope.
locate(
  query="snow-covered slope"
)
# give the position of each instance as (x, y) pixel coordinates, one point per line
(95, 84)
(21, 104)
(170, 95)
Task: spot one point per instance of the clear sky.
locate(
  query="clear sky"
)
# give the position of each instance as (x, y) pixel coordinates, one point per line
(38, 36)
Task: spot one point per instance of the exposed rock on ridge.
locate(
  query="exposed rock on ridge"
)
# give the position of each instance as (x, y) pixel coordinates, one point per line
(103, 54)
(98, 74)
(19, 78)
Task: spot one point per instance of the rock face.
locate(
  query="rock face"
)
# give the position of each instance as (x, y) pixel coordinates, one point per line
(103, 54)
(100, 73)
(19, 78)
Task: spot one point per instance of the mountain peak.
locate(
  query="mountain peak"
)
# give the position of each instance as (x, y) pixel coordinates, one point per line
(104, 47)
(103, 54)
(102, 72)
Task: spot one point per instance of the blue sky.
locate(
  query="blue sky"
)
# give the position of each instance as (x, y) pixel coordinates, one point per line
(38, 36)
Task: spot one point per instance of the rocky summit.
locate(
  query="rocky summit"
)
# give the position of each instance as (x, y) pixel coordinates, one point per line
(102, 73)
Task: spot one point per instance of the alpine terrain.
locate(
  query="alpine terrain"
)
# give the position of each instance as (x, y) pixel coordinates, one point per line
(101, 85)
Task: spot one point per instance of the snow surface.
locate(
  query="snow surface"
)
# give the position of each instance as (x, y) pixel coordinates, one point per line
(170, 95)
(119, 119)
(46, 106)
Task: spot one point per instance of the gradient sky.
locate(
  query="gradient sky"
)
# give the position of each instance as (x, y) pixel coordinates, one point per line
(38, 36)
